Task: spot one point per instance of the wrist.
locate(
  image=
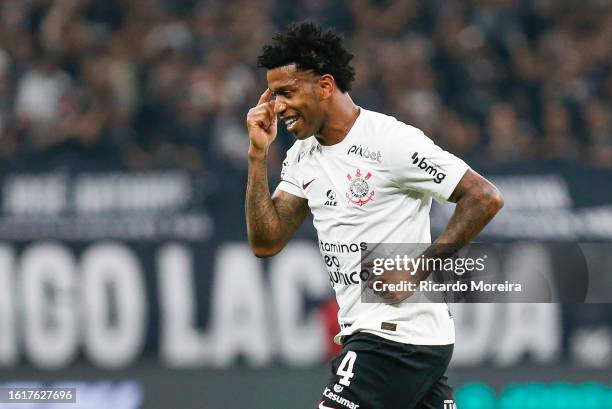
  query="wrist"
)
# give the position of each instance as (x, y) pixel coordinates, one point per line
(257, 153)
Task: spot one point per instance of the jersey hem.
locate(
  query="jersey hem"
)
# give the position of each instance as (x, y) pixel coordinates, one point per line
(395, 338)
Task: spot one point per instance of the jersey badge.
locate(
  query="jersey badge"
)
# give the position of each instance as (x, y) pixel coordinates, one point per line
(359, 190)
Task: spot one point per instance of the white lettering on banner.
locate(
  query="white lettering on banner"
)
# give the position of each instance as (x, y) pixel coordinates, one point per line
(50, 311)
(131, 191)
(113, 343)
(544, 192)
(297, 271)
(240, 320)
(8, 335)
(475, 328)
(40, 288)
(505, 333)
(33, 193)
(182, 344)
(548, 214)
(530, 263)
(533, 328)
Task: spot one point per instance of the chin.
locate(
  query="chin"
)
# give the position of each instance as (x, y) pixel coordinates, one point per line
(301, 136)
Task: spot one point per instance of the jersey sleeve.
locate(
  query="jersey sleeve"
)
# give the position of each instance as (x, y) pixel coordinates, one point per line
(289, 174)
(420, 165)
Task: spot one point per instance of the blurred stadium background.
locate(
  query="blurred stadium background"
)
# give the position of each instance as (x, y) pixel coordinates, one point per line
(124, 266)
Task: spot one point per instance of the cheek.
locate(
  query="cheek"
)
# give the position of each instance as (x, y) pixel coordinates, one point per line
(309, 116)
(313, 108)
(316, 114)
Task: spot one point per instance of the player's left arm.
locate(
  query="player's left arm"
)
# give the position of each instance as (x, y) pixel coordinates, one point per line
(478, 201)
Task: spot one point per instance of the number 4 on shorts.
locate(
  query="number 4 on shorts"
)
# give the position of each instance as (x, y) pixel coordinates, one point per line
(345, 370)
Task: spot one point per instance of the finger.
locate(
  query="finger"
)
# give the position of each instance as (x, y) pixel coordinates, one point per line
(263, 112)
(373, 280)
(259, 118)
(272, 104)
(269, 106)
(265, 97)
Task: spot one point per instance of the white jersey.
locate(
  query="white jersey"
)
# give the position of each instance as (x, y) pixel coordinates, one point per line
(375, 186)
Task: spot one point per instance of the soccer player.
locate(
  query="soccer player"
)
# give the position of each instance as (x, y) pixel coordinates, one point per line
(366, 178)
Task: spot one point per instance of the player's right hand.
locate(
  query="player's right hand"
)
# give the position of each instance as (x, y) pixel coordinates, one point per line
(262, 123)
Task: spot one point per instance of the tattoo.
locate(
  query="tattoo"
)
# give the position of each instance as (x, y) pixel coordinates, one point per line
(270, 221)
(291, 210)
(477, 203)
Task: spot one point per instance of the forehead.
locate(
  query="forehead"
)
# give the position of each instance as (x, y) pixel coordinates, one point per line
(288, 76)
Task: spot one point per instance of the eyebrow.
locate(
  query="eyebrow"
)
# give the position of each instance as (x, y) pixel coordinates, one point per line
(281, 90)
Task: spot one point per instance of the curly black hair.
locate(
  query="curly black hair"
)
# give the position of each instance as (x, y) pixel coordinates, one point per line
(307, 46)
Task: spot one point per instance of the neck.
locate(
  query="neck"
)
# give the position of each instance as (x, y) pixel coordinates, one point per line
(339, 121)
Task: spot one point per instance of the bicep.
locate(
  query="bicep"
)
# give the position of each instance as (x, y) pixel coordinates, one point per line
(291, 210)
(473, 183)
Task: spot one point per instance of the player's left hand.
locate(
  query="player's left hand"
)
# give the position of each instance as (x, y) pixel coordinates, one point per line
(393, 286)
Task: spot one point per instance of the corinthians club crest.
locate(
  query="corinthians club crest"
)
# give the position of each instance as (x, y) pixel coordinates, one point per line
(359, 190)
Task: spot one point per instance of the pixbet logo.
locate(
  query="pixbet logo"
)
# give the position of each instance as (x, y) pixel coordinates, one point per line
(429, 167)
(365, 152)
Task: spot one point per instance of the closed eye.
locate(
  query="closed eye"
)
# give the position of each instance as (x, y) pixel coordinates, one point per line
(284, 93)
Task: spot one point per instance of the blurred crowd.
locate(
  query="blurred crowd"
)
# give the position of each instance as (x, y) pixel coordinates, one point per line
(167, 83)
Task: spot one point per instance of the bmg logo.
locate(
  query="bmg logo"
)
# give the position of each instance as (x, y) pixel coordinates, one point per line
(429, 167)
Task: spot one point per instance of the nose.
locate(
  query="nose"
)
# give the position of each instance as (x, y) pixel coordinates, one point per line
(279, 106)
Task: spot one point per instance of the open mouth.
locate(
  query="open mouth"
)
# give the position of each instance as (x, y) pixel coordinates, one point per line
(290, 122)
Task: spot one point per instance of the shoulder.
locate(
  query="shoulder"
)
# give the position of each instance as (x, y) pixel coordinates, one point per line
(390, 126)
(297, 154)
(293, 153)
(393, 136)
(377, 119)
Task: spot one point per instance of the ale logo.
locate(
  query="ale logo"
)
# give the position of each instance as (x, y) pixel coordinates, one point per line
(331, 198)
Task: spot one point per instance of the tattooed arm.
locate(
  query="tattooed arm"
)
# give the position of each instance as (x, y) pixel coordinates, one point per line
(478, 201)
(271, 221)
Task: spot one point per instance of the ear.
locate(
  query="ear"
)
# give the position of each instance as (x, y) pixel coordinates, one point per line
(326, 86)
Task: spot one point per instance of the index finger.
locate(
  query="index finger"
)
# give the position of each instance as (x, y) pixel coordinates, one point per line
(265, 97)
